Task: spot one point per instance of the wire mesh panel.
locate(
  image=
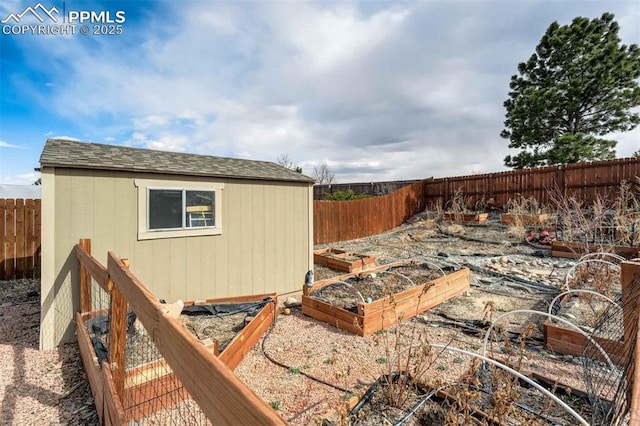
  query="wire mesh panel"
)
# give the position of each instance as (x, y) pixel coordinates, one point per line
(153, 394)
(97, 321)
(614, 334)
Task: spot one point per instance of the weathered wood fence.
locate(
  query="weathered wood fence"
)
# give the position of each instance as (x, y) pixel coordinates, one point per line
(584, 181)
(345, 220)
(19, 238)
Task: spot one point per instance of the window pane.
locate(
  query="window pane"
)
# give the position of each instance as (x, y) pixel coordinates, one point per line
(200, 208)
(165, 209)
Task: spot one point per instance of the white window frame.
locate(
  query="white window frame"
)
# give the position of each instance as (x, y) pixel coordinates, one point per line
(144, 185)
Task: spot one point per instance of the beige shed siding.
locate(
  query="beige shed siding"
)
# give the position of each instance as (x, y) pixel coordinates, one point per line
(265, 244)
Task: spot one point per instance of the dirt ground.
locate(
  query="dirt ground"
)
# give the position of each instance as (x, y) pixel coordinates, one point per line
(325, 365)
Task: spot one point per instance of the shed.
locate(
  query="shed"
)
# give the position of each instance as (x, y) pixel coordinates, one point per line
(192, 226)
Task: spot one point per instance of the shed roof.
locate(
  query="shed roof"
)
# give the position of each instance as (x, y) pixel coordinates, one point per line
(85, 155)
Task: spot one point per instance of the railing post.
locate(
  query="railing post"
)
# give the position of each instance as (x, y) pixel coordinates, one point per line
(117, 335)
(85, 280)
(630, 280)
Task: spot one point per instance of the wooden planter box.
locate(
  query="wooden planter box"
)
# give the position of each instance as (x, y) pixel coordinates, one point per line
(570, 342)
(523, 219)
(142, 383)
(341, 260)
(466, 217)
(574, 250)
(381, 314)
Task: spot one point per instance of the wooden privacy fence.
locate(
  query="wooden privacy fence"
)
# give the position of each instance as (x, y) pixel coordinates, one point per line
(218, 393)
(584, 181)
(19, 238)
(346, 220)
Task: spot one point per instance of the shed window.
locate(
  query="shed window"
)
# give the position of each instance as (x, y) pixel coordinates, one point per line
(178, 209)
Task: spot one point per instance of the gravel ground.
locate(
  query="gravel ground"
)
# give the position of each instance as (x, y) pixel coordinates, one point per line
(37, 387)
(49, 387)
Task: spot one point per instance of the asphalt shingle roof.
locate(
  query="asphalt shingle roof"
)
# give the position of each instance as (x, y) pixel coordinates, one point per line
(85, 155)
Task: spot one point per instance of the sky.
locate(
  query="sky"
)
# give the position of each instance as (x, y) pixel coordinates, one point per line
(377, 90)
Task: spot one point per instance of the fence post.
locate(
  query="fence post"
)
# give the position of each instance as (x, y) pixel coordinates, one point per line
(117, 336)
(85, 280)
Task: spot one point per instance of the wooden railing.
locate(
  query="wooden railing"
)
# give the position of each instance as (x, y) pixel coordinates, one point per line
(19, 238)
(222, 397)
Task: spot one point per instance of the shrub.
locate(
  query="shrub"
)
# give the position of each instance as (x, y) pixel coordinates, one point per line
(345, 196)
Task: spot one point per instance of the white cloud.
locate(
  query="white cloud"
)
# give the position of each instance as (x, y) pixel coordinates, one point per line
(4, 144)
(377, 90)
(69, 138)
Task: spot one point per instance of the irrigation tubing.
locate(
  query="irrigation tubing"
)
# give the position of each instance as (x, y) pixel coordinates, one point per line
(562, 320)
(434, 392)
(288, 367)
(585, 262)
(543, 288)
(595, 293)
(520, 376)
(319, 291)
(310, 407)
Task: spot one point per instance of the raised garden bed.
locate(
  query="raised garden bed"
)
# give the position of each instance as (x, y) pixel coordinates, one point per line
(466, 217)
(523, 219)
(573, 250)
(342, 261)
(227, 327)
(373, 300)
(570, 342)
(471, 400)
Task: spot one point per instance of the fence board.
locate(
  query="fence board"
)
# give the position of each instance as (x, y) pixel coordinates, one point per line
(19, 238)
(9, 241)
(29, 249)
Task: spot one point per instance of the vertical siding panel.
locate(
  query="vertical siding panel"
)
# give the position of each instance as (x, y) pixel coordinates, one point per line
(300, 244)
(37, 227)
(160, 284)
(67, 300)
(177, 270)
(279, 241)
(289, 235)
(222, 282)
(257, 243)
(195, 264)
(246, 215)
(269, 214)
(104, 211)
(126, 214)
(234, 220)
